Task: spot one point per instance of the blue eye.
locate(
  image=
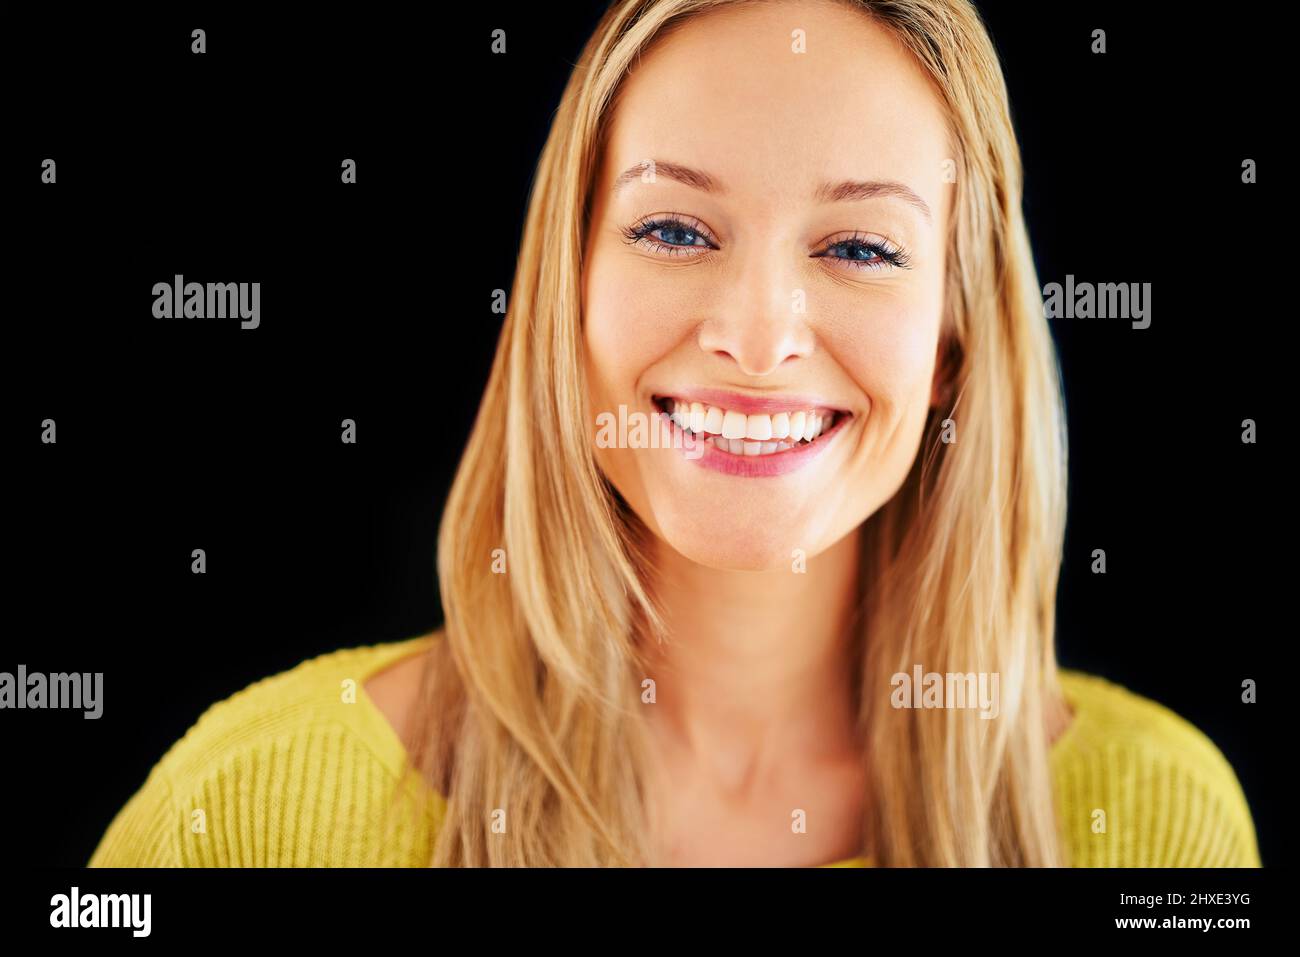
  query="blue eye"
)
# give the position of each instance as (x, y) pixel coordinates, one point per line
(682, 235)
(867, 254)
(675, 236)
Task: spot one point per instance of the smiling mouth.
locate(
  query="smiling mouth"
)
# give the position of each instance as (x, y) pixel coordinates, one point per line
(755, 434)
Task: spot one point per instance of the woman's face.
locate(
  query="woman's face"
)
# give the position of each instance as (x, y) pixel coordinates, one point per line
(766, 255)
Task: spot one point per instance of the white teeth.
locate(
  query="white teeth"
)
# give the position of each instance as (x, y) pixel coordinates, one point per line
(758, 427)
(796, 425)
(740, 434)
(733, 425)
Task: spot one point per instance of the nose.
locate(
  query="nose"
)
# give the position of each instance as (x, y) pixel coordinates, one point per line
(761, 321)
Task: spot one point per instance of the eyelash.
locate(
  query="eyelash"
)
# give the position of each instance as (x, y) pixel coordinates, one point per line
(887, 254)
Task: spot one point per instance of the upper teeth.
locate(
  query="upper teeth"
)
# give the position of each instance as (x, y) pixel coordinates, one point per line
(784, 427)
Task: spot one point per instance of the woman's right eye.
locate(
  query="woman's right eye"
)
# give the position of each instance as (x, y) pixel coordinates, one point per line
(671, 236)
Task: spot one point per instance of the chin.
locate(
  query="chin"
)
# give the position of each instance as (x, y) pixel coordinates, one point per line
(734, 545)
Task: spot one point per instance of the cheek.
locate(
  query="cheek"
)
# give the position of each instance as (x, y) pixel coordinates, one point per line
(630, 322)
(624, 333)
(888, 349)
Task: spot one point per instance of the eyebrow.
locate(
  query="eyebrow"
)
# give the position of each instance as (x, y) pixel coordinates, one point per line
(846, 191)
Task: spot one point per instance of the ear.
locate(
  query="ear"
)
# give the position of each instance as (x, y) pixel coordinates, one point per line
(947, 361)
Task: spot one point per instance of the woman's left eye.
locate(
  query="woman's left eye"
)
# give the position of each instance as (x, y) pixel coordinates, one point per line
(866, 254)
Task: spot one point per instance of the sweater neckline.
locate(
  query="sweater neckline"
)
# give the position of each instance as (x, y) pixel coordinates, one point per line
(373, 725)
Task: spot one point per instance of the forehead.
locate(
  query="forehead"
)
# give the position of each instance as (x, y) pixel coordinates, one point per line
(728, 92)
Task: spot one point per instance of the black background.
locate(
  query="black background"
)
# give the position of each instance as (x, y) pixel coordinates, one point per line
(376, 306)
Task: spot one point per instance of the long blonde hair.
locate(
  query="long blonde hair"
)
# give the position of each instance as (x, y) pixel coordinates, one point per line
(531, 694)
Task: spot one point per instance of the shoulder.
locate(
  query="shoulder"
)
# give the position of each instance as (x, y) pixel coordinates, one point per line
(320, 698)
(295, 769)
(1140, 786)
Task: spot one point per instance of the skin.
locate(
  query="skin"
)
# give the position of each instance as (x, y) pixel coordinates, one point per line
(394, 690)
(753, 717)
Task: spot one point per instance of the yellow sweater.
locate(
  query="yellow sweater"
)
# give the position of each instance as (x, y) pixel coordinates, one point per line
(289, 773)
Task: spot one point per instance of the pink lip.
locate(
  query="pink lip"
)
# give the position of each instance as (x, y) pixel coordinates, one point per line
(761, 405)
(749, 466)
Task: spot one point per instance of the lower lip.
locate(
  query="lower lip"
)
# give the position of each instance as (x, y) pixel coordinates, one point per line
(750, 466)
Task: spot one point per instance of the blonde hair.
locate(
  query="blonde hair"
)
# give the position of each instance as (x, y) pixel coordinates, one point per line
(531, 694)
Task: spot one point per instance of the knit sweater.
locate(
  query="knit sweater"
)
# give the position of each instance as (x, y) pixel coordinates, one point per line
(292, 772)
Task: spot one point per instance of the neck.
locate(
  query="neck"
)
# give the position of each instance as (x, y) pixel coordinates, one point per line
(756, 666)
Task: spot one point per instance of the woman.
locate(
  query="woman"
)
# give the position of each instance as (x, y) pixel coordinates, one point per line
(810, 621)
